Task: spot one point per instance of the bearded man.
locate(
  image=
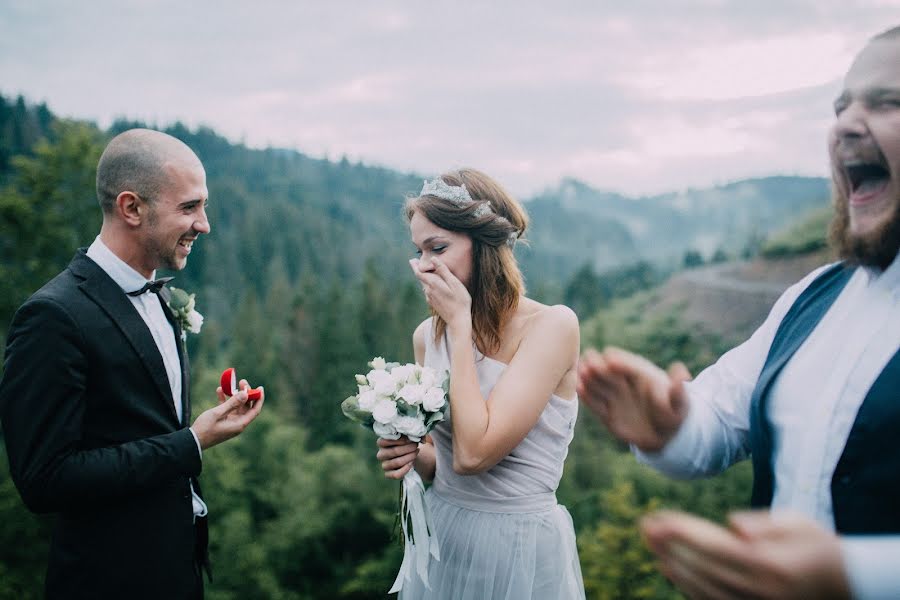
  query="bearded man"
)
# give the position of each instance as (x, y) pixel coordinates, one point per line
(813, 396)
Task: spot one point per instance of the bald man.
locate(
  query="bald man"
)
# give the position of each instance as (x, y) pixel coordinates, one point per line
(94, 397)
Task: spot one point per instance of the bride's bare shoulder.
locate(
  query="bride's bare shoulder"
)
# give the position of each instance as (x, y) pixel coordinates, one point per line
(537, 314)
(422, 329)
(557, 323)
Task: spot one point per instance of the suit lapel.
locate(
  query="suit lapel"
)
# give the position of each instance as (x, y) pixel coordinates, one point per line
(98, 286)
(185, 387)
(165, 294)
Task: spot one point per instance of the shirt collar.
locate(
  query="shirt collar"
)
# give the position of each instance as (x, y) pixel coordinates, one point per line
(121, 272)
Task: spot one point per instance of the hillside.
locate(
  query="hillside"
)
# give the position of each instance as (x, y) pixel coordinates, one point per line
(610, 229)
(708, 309)
(311, 217)
(731, 300)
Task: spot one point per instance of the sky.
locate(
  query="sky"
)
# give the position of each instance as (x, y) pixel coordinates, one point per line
(638, 97)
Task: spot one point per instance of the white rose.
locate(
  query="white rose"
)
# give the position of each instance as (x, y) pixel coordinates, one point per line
(385, 430)
(412, 394)
(382, 382)
(433, 399)
(378, 363)
(411, 427)
(376, 375)
(367, 400)
(195, 321)
(384, 411)
(386, 388)
(361, 380)
(403, 374)
(427, 377)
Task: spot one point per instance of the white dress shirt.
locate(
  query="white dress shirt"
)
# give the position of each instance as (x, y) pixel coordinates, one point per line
(812, 407)
(149, 306)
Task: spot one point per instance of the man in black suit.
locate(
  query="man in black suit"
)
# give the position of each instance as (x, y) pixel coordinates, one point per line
(94, 396)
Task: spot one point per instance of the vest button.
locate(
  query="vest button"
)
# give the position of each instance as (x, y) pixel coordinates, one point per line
(845, 480)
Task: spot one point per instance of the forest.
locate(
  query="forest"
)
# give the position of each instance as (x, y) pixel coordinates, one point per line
(302, 280)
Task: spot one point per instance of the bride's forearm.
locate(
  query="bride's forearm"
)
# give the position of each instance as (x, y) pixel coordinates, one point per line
(426, 461)
(468, 410)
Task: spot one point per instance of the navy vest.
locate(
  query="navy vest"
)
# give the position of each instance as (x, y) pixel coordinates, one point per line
(865, 487)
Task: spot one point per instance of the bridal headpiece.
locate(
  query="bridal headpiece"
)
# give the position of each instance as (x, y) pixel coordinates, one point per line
(459, 195)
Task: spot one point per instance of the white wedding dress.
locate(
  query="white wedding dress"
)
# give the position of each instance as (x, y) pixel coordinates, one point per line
(502, 534)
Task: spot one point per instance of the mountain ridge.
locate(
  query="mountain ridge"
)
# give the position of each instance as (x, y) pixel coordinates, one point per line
(324, 217)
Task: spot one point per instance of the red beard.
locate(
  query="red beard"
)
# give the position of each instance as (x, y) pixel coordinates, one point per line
(877, 248)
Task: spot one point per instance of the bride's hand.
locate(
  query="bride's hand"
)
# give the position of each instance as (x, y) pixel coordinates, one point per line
(397, 456)
(445, 293)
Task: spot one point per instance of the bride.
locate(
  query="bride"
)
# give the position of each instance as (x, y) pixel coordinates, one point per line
(496, 464)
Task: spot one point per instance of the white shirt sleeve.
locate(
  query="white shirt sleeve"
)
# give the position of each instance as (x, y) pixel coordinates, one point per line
(197, 503)
(197, 441)
(873, 566)
(715, 433)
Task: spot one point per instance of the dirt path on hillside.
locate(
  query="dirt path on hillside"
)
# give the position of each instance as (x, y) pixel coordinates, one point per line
(728, 278)
(733, 299)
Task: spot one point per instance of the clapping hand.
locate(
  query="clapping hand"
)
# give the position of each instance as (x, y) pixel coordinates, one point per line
(759, 555)
(636, 400)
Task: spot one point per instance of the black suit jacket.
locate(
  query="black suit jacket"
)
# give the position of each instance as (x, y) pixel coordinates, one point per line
(92, 434)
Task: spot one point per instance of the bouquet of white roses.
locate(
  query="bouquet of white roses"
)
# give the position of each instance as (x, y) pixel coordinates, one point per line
(395, 400)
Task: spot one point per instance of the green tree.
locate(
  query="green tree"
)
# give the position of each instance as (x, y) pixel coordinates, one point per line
(692, 258)
(615, 562)
(627, 280)
(23, 542)
(47, 211)
(719, 256)
(584, 293)
(375, 313)
(294, 523)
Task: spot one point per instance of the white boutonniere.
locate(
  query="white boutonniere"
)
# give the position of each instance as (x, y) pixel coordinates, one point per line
(182, 306)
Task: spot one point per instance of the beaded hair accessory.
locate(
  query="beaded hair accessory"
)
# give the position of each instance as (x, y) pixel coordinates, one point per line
(459, 195)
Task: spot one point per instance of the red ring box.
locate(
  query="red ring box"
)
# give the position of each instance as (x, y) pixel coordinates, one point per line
(229, 383)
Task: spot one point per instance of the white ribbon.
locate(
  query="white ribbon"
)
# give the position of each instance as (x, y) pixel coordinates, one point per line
(419, 541)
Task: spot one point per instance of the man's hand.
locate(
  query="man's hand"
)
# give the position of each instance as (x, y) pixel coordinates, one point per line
(228, 419)
(783, 557)
(636, 400)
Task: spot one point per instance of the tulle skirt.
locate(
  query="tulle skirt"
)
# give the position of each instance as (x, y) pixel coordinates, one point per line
(488, 555)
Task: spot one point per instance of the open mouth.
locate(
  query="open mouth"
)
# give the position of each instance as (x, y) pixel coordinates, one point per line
(186, 244)
(866, 178)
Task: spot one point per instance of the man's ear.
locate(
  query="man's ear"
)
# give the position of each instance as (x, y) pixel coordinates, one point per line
(131, 208)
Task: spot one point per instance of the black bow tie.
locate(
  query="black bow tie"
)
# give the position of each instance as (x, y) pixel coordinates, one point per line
(152, 286)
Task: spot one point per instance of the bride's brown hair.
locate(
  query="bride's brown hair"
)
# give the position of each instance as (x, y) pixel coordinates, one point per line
(496, 282)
